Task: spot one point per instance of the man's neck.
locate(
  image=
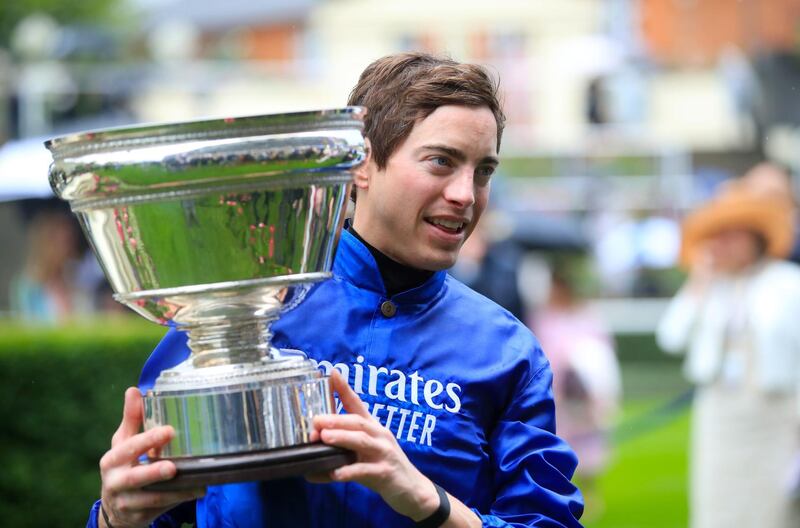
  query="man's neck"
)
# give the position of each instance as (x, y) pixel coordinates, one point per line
(396, 277)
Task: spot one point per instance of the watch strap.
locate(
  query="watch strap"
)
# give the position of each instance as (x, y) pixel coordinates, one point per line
(442, 513)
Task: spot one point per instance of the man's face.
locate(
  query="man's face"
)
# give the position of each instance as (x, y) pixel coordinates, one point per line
(422, 206)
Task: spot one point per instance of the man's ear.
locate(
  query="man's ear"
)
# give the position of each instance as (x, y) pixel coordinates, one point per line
(362, 175)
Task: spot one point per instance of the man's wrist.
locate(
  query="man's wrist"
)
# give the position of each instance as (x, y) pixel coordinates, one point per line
(427, 501)
(102, 519)
(442, 513)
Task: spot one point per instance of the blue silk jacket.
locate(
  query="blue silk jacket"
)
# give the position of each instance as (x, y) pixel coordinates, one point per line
(461, 383)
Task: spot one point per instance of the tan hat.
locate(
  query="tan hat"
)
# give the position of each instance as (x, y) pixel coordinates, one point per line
(739, 206)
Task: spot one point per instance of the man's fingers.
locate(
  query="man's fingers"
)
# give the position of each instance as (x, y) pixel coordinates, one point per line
(132, 413)
(350, 400)
(359, 470)
(128, 451)
(350, 422)
(358, 441)
(137, 477)
(350, 472)
(314, 436)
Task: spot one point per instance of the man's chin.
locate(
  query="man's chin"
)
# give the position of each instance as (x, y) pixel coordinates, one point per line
(426, 257)
(438, 262)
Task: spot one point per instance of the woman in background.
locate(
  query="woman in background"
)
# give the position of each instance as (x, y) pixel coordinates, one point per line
(737, 318)
(586, 377)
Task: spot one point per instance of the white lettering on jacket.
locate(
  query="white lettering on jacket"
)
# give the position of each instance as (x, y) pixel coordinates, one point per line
(399, 386)
(406, 424)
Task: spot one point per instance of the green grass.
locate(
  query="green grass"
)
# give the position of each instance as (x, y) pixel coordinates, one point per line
(645, 485)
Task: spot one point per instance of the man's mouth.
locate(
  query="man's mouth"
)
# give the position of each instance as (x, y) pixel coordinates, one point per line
(449, 226)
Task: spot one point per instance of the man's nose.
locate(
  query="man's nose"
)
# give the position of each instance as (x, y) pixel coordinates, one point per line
(460, 188)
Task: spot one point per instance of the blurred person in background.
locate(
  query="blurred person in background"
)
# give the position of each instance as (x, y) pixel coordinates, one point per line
(45, 290)
(489, 265)
(773, 180)
(586, 377)
(736, 317)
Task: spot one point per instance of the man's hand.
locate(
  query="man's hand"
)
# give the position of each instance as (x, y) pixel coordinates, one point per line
(381, 464)
(123, 478)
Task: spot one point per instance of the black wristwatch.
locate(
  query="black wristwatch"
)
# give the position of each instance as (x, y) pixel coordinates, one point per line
(442, 513)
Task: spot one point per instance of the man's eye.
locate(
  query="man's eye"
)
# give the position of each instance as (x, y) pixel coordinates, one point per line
(484, 173)
(440, 161)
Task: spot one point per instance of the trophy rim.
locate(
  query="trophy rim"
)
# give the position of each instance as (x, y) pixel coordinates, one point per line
(216, 287)
(203, 128)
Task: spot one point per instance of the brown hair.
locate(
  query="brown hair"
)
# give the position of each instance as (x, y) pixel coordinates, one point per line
(398, 90)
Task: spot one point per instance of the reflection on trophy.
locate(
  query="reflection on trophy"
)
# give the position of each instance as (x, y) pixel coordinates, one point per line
(217, 227)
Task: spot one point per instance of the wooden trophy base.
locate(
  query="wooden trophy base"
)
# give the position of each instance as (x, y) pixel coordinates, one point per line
(260, 465)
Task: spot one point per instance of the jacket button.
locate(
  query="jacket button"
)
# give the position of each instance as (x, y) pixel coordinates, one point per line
(388, 308)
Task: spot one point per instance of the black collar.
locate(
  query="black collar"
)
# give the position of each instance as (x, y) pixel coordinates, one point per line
(396, 277)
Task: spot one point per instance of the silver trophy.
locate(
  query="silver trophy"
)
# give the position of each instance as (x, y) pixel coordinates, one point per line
(217, 227)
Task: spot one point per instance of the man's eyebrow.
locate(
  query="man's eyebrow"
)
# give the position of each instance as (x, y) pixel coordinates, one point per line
(458, 155)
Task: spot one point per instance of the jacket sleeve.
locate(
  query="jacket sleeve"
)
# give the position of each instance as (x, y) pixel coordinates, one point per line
(175, 518)
(533, 467)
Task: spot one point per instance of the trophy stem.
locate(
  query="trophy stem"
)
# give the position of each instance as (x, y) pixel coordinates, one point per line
(230, 342)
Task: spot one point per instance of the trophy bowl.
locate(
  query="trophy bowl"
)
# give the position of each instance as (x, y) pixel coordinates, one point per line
(216, 227)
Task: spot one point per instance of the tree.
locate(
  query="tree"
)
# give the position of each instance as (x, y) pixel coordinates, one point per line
(63, 11)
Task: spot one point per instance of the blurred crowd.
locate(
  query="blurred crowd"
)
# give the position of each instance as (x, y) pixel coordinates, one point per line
(60, 279)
